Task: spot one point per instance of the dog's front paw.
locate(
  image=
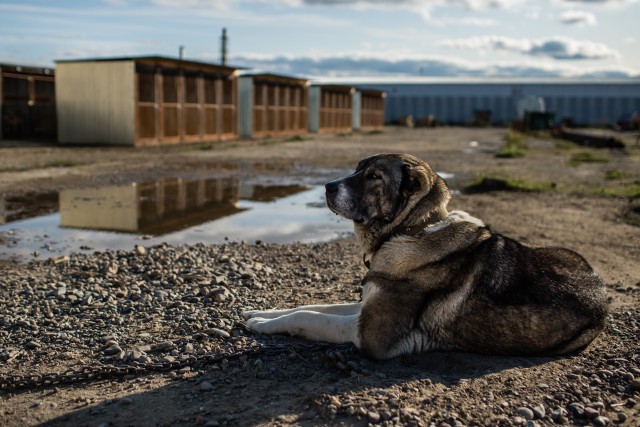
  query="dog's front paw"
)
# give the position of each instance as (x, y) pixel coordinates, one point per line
(248, 314)
(259, 325)
(265, 314)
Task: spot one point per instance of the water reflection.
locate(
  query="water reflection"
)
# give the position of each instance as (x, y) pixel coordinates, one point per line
(155, 208)
(175, 211)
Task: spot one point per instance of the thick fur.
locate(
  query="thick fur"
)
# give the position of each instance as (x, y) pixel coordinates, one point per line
(444, 281)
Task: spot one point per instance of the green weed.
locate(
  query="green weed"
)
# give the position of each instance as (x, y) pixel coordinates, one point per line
(586, 157)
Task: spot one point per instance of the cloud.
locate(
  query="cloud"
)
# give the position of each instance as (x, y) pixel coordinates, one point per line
(561, 48)
(577, 17)
(601, 2)
(422, 7)
(361, 65)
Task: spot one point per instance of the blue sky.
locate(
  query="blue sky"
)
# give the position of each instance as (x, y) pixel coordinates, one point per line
(315, 38)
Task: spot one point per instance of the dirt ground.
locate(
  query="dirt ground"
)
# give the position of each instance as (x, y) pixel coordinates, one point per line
(591, 206)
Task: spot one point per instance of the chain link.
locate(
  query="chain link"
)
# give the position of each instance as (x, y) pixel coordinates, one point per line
(337, 355)
(89, 373)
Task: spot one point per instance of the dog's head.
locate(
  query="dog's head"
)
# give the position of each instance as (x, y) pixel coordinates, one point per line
(385, 193)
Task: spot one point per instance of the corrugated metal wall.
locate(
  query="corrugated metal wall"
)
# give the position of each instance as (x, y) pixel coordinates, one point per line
(314, 108)
(245, 106)
(356, 112)
(584, 103)
(95, 102)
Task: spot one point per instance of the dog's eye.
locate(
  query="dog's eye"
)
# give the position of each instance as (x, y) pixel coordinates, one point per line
(374, 176)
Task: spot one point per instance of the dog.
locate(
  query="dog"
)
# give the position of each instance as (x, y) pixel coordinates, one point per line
(443, 281)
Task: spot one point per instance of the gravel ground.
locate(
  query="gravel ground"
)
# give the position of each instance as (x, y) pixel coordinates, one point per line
(155, 334)
(147, 307)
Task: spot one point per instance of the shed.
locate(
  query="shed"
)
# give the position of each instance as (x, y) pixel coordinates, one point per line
(331, 108)
(27, 102)
(146, 100)
(369, 109)
(272, 105)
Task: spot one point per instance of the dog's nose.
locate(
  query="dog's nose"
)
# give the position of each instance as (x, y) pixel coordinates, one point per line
(331, 187)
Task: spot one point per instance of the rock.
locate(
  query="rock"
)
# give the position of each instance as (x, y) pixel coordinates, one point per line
(163, 346)
(112, 350)
(525, 413)
(539, 411)
(32, 345)
(206, 386)
(373, 417)
(635, 384)
(590, 412)
(113, 269)
(601, 421)
(57, 292)
(518, 421)
(576, 408)
(140, 250)
(218, 332)
(559, 416)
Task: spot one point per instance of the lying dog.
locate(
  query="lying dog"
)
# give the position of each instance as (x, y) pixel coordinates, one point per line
(444, 281)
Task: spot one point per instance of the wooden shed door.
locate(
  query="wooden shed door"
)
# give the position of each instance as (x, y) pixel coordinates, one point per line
(28, 106)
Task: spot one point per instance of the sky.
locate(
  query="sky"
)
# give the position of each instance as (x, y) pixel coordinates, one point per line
(332, 38)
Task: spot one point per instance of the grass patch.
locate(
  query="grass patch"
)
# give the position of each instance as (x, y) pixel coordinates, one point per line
(375, 132)
(297, 138)
(344, 134)
(586, 157)
(514, 145)
(487, 184)
(202, 147)
(632, 190)
(616, 174)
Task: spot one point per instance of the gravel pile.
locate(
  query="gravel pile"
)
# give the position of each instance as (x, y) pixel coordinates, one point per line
(167, 306)
(152, 305)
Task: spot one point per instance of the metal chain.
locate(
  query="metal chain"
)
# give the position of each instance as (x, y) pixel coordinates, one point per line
(98, 372)
(336, 355)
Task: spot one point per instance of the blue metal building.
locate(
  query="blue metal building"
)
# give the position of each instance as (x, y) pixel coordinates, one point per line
(454, 100)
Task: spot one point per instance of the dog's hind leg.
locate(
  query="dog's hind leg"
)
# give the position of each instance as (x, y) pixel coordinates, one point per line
(338, 309)
(311, 325)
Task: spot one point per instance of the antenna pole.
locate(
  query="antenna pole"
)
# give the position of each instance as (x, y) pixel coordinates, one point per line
(223, 47)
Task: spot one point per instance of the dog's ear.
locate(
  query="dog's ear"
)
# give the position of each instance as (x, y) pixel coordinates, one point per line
(412, 176)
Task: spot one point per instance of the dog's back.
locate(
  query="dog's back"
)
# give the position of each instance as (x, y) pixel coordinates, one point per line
(532, 301)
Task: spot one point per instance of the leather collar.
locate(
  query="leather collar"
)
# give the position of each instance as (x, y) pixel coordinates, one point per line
(405, 231)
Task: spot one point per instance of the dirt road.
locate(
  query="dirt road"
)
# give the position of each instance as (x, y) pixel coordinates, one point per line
(179, 304)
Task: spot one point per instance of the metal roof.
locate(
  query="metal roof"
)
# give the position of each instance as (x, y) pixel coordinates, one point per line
(27, 69)
(152, 58)
(424, 80)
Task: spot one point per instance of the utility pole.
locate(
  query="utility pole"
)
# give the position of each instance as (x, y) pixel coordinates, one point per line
(181, 53)
(223, 47)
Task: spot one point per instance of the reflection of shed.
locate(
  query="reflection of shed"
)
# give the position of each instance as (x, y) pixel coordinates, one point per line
(369, 109)
(272, 105)
(331, 108)
(152, 208)
(27, 102)
(145, 100)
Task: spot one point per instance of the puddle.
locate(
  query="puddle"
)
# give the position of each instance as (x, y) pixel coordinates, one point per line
(175, 211)
(172, 210)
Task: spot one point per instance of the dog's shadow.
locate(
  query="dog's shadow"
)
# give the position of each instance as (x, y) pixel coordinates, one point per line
(443, 367)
